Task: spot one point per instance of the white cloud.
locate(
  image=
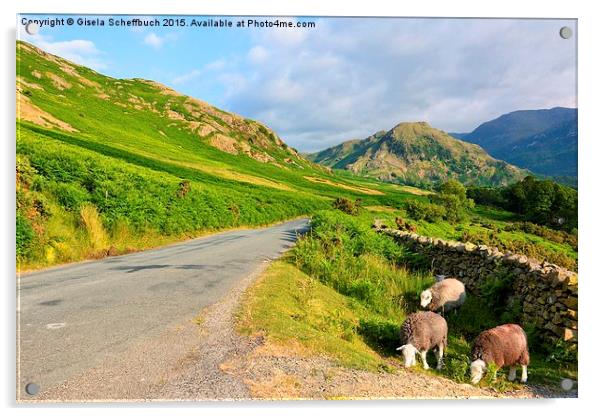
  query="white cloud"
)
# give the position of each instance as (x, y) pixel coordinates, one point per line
(195, 74)
(156, 41)
(80, 51)
(257, 54)
(187, 77)
(349, 78)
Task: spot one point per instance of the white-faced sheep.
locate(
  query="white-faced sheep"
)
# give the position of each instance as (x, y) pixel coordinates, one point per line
(505, 346)
(446, 295)
(421, 332)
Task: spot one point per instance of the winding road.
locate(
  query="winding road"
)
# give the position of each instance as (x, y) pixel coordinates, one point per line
(72, 318)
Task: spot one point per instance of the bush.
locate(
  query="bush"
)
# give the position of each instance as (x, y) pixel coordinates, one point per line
(419, 210)
(495, 291)
(70, 196)
(457, 369)
(183, 188)
(347, 206)
(25, 235)
(543, 202)
(452, 197)
(403, 225)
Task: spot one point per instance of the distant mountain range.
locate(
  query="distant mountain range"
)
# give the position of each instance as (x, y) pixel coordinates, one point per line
(418, 154)
(542, 141)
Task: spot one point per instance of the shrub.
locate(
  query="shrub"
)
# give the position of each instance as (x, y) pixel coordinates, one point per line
(25, 172)
(404, 225)
(419, 210)
(543, 202)
(496, 289)
(25, 235)
(347, 206)
(183, 188)
(561, 352)
(70, 196)
(452, 197)
(457, 369)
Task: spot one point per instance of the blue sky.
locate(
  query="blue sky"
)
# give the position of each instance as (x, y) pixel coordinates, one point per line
(347, 77)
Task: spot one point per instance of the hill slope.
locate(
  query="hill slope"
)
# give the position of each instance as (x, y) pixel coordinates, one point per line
(106, 166)
(416, 153)
(543, 141)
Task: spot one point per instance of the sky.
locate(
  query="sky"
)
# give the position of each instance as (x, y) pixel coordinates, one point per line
(345, 78)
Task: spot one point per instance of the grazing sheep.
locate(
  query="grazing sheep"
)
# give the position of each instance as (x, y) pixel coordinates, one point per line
(504, 345)
(445, 295)
(421, 332)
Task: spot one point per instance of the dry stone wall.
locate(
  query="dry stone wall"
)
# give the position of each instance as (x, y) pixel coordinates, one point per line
(546, 293)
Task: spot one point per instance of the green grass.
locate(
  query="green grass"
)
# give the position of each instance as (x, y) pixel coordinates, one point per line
(290, 307)
(345, 290)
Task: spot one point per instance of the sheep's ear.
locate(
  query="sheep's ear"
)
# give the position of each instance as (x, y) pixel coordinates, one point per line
(400, 348)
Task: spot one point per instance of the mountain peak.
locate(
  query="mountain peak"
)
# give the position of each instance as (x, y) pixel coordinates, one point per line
(412, 126)
(543, 141)
(416, 153)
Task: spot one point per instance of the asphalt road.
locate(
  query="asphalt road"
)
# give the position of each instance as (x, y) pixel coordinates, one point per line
(71, 318)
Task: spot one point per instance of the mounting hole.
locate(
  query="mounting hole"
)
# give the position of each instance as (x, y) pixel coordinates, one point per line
(566, 32)
(32, 389)
(32, 28)
(566, 384)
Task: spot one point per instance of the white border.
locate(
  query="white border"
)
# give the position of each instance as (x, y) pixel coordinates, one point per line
(590, 156)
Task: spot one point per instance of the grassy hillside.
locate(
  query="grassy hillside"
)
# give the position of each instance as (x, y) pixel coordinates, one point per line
(107, 166)
(417, 154)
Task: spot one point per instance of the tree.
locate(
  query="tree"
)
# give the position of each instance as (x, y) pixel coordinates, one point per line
(452, 196)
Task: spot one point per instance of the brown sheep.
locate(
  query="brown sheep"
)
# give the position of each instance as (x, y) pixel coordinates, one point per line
(505, 346)
(421, 332)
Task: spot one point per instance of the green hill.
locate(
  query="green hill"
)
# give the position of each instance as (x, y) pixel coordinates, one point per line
(106, 166)
(417, 154)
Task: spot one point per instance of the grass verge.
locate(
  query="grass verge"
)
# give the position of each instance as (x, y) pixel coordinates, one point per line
(344, 290)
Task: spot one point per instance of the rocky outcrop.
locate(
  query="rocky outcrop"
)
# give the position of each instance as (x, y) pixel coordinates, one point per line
(546, 292)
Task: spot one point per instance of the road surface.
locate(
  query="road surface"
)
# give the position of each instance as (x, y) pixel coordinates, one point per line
(71, 318)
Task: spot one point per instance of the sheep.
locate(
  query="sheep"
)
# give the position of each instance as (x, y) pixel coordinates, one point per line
(445, 295)
(505, 346)
(421, 332)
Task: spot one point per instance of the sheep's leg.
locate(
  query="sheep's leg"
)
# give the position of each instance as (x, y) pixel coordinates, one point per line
(424, 363)
(523, 376)
(512, 373)
(439, 356)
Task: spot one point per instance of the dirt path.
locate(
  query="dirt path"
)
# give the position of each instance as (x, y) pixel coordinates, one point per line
(275, 372)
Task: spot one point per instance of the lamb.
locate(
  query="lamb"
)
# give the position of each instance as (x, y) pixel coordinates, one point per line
(445, 295)
(421, 332)
(505, 346)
